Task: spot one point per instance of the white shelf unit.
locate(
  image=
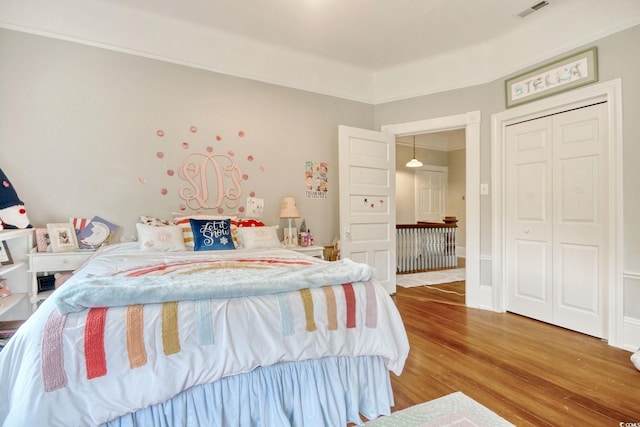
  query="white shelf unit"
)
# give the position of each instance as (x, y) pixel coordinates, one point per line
(19, 242)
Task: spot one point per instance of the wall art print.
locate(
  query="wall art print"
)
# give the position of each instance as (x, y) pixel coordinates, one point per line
(558, 76)
(315, 179)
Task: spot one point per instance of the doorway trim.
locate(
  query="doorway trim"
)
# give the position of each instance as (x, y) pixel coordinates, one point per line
(470, 121)
(611, 92)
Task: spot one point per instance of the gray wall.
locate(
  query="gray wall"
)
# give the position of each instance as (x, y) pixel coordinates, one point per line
(78, 133)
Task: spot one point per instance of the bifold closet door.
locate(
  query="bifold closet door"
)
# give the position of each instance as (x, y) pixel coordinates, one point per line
(556, 219)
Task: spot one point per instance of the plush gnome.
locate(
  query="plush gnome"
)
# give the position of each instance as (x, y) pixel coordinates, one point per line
(12, 211)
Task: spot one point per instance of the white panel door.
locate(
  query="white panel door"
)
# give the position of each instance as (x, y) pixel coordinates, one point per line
(529, 219)
(367, 200)
(580, 219)
(556, 213)
(431, 193)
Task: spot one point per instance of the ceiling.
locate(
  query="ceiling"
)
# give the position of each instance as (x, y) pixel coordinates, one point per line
(372, 51)
(369, 34)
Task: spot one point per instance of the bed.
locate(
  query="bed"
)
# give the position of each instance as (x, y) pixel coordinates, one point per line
(228, 337)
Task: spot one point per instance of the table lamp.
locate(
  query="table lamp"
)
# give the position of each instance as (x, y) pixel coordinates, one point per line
(289, 210)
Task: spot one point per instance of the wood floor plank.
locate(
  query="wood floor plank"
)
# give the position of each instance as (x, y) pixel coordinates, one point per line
(528, 372)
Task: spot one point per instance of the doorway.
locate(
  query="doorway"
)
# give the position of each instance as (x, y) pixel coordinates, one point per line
(470, 122)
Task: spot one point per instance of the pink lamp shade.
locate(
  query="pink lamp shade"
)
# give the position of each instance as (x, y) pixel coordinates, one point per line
(289, 208)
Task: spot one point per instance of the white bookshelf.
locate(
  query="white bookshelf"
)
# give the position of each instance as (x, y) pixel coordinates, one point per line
(19, 244)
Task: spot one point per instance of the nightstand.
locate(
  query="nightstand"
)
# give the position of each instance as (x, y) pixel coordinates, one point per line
(314, 251)
(49, 262)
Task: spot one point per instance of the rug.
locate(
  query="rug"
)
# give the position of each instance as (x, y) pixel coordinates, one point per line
(430, 278)
(456, 409)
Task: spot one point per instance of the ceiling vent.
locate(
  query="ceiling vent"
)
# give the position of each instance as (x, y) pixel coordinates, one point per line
(536, 7)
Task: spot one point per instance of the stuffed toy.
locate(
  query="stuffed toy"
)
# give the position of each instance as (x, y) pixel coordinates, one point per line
(12, 211)
(61, 277)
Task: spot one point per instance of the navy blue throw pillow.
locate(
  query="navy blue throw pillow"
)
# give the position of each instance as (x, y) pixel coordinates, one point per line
(211, 234)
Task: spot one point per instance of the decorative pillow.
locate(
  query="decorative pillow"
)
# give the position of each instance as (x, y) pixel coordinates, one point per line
(212, 234)
(160, 239)
(157, 222)
(259, 237)
(183, 222)
(250, 223)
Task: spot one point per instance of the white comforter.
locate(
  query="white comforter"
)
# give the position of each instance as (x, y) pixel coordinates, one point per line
(87, 367)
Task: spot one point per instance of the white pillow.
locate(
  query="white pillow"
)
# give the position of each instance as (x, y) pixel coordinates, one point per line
(167, 238)
(259, 237)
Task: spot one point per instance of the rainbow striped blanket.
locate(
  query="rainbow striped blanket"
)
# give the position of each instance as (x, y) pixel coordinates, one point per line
(133, 329)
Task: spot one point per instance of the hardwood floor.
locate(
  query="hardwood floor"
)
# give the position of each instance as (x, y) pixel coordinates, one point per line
(528, 372)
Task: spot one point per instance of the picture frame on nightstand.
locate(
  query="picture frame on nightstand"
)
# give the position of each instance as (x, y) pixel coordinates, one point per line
(42, 239)
(5, 254)
(63, 237)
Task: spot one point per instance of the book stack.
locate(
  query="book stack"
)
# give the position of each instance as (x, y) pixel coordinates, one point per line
(7, 329)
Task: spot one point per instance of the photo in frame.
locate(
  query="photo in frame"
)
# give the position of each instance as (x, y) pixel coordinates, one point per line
(5, 254)
(62, 237)
(42, 239)
(570, 72)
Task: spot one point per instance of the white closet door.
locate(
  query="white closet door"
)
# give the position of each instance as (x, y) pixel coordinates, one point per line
(529, 225)
(580, 219)
(557, 219)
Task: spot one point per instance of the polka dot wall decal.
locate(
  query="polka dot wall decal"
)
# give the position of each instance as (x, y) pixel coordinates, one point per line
(160, 133)
(245, 177)
(252, 194)
(210, 149)
(170, 172)
(218, 138)
(250, 158)
(193, 129)
(182, 207)
(220, 210)
(185, 145)
(159, 154)
(230, 152)
(241, 209)
(164, 191)
(241, 134)
(141, 180)
(261, 169)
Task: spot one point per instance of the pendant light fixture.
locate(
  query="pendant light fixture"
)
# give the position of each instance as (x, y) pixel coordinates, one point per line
(414, 163)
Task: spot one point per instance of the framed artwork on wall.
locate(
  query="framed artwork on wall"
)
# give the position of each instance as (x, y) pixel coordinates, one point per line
(63, 237)
(561, 75)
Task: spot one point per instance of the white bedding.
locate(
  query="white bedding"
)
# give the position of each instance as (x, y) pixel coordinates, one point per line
(89, 367)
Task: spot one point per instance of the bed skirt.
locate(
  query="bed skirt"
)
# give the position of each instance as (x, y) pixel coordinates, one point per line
(332, 391)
